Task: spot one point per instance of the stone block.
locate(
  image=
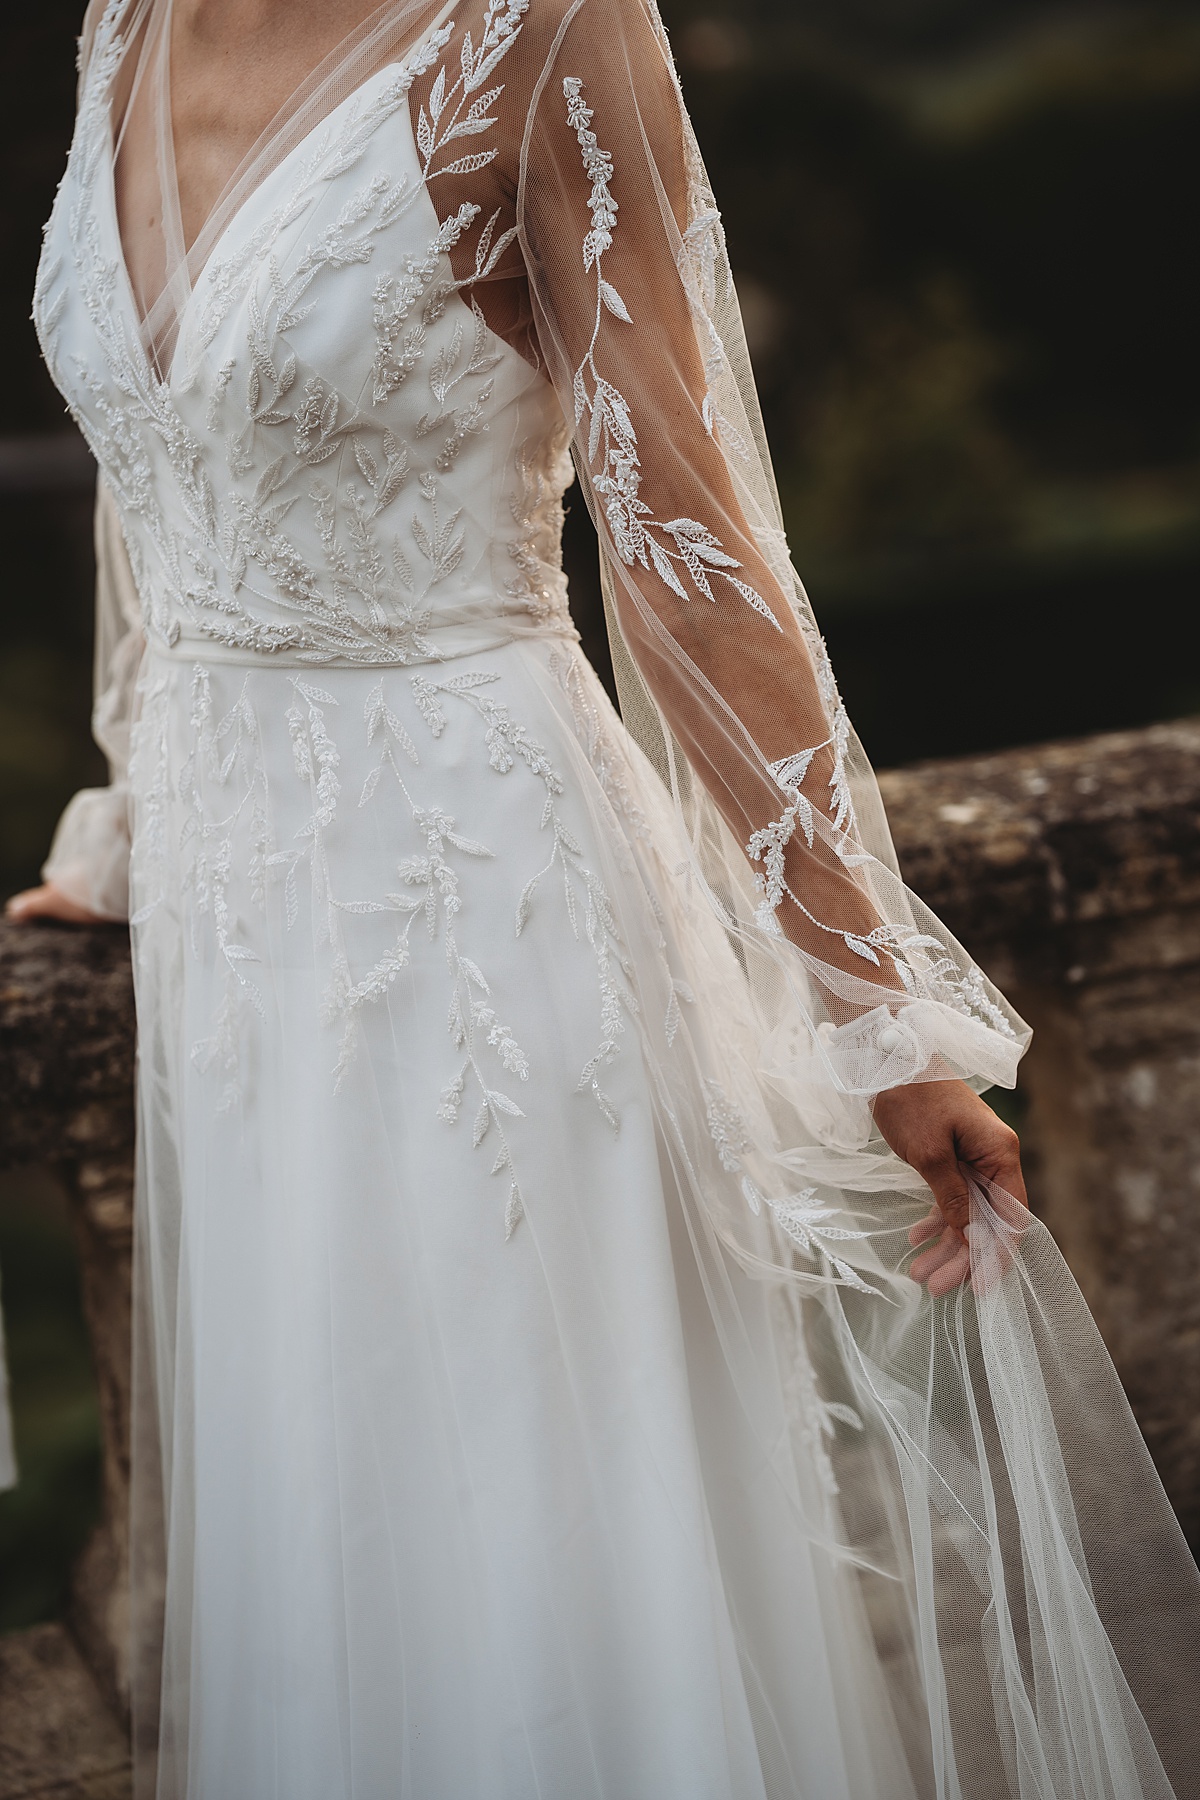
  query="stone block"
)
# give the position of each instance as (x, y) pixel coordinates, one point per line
(58, 1740)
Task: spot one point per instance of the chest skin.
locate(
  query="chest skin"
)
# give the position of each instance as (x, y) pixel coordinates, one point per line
(233, 66)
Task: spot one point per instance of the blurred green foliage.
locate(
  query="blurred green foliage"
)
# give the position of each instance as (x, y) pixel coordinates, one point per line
(903, 450)
(45, 1519)
(963, 232)
(46, 750)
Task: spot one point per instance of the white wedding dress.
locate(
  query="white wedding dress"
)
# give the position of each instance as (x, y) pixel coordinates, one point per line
(531, 1398)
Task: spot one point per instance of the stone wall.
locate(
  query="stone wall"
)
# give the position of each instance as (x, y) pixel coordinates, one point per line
(1072, 871)
(66, 1074)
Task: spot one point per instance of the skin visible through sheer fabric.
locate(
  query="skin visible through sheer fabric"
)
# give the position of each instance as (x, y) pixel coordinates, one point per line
(1023, 1646)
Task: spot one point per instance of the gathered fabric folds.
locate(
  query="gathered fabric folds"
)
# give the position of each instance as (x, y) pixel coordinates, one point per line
(531, 1397)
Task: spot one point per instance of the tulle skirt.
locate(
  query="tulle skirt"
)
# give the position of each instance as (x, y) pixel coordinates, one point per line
(492, 1441)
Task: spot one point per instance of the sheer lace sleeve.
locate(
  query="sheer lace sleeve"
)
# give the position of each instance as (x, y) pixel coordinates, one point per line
(89, 858)
(725, 676)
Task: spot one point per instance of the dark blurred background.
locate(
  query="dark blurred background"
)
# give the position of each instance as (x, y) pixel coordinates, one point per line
(964, 236)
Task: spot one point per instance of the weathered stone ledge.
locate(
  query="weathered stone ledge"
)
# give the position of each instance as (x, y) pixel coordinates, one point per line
(1012, 848)
(1072, 871)
(58, 1739)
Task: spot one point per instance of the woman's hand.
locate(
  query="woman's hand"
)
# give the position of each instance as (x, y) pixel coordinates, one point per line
(49, 902)
(948, 1134)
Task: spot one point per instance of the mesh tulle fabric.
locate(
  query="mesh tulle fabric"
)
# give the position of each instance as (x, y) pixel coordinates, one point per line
(737, 1468)
(623, 1505)
(89, 857)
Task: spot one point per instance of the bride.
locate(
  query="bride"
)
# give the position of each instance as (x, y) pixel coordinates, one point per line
(590, 1340)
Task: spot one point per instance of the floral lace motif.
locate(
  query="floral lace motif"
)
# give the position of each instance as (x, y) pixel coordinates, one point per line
(802, 1219)
(678, 550)
(586, 900)
(686, 555)
(227, 831)
(348, 572)
(593, 725)
(919, 959)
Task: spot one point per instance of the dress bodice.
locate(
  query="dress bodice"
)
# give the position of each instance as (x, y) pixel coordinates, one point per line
(341, 462)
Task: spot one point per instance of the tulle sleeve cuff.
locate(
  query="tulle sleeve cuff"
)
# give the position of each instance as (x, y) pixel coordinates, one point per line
(923, 1040)
(89, 858)
(842, 1068)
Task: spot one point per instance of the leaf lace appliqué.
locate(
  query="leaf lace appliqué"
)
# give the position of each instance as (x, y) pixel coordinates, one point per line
(807, 1225)
(680, 551)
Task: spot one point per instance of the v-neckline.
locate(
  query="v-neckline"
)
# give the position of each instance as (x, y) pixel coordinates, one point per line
(163, 376)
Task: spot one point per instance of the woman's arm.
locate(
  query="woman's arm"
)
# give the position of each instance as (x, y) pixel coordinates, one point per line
(619, 254)
(86, 875)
